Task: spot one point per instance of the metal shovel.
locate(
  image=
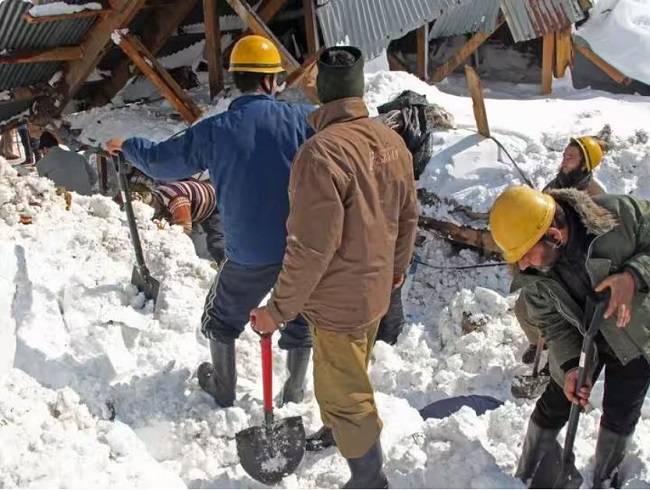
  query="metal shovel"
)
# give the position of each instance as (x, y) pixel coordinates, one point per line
(557, 470)
(531, 385)
(140, 278)
(274, 450)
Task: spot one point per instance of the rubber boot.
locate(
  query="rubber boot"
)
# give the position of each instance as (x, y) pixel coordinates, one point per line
(536, 444)
(319, 440)
(528, 357)
(367, 470)
(610, 451)
(297, 364)
(219, 378)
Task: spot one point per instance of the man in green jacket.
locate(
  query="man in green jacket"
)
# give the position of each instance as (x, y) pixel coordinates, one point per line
(569, 247)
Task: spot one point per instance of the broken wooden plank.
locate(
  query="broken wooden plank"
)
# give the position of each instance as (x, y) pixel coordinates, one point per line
(548, 58)
(478, 102)
(311, 31)
(67, 53)
(155, 35)
(612, 72)
(422, 35)
(448, 67)
(266, 12)
(95, 46)
(563, 52)
(30, 19)
(213, 46)
(154, 71)
(476, 238)
(102, 167)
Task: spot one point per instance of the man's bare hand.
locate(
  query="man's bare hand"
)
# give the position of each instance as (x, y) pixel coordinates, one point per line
(262, 321)
(114, 146)
(398, 281)
(622, 287)
(570, 382)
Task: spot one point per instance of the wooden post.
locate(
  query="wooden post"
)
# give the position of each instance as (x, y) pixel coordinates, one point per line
(310, 26)
(444, 70)
(151, 67)
(563, 51)
(478, 103)
(423, 52)
(154, 36)
(612, 72)
(548, 57)
(213, 45)
(102, 170)
(67, 53)
(394, 64)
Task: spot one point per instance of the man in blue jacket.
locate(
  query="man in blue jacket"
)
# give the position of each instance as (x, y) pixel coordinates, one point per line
(248, 151)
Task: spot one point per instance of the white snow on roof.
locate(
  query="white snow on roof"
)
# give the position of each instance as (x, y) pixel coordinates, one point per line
(60, 8)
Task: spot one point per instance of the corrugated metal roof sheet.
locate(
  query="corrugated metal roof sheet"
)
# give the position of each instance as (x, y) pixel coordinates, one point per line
(24, 75)
(530, 19)
(470, 16)
(11, 109)
(372, 24)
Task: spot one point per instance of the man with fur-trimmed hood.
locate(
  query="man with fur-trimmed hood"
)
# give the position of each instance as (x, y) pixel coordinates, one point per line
(570, 247)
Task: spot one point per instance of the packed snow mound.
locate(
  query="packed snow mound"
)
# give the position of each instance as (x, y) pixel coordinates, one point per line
(50, 440)
(619, 32)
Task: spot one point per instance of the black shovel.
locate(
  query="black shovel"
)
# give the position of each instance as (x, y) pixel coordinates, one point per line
(140, 277)
(270, 452)
(557, 470)
(531, 385)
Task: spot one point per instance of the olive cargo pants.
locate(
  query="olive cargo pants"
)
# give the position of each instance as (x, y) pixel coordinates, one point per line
(531, 331)
(343, 389)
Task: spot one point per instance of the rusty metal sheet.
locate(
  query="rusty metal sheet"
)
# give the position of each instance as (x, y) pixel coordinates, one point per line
(530, 19)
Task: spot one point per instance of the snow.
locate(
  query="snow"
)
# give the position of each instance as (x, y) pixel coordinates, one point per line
(613, 27)
(189, 56)
(61, 8)
(103, 383)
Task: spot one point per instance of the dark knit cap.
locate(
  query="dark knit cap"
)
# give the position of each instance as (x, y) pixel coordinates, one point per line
(47, 140)
(340, 74)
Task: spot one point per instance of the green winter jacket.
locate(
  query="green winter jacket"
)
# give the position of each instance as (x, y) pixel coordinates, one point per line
(622, 228)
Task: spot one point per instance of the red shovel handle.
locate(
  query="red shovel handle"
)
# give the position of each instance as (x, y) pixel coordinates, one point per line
(267, 373)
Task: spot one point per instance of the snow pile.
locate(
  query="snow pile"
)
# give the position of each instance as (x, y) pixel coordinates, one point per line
(50, 440)
(61, 8)
(619, 32)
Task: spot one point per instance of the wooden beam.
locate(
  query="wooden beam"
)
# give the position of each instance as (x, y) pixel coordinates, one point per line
(444, 70)
(461, 234)
(563, 52)
(311, 30)
(26, 93)
(548, 58)
(151, 67)
(102, 168)
(422, 35)
(57, 54)
(266, 12)
(613, 73)
(30, 19)
(395, 64)
(95, 46)
(289, 63)
(213, 45)
(155, 35)
(478, 103)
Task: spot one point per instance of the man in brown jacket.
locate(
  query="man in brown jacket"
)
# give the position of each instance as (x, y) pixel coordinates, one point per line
(351, 231)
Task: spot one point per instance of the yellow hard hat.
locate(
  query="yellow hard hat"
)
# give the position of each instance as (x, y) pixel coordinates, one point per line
(255, 54)
(591, 151)
(519, 218)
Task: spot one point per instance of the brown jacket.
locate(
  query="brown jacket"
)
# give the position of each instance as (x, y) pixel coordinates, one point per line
(352, 223)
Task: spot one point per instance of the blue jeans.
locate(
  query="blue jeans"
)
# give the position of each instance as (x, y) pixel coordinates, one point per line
(237, 290)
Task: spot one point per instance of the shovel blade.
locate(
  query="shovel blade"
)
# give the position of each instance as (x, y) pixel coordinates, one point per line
(269, 453)
(529, 386)
(149, 286)
(552, 472)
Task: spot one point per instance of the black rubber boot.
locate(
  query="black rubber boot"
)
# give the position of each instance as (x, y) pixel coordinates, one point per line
(367, 470)
(528, 357)
(319, 440)
(219, 378)
(610, 451)
(297, 364)
(537, 443)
